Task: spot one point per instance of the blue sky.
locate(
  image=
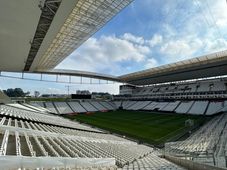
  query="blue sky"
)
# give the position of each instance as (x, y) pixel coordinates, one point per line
(150, 33)
(146, 34)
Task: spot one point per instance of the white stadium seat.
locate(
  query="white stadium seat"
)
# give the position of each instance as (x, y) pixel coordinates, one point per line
(198, 107)
(77, 108)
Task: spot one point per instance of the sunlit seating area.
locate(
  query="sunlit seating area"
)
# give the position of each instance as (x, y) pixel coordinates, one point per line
(29, 135)
(71, 107)
(198, 89)
(151, 161)
(207, 145)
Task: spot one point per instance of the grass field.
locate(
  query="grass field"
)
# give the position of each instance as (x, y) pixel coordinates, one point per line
(154, 128)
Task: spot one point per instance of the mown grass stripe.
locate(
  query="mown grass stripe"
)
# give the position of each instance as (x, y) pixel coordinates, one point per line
(149, 127)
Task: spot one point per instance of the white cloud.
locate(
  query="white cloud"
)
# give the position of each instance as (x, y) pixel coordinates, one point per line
(217, 10)
(150, 63)
(133, 38)
(105, 55)
(156, 39)
(194, 31)
(121, 50)
(220, 44)
(187, 30)
(180, 49)
(174, 48)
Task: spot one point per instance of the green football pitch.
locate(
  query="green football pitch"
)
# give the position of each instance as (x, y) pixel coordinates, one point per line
(153, 128)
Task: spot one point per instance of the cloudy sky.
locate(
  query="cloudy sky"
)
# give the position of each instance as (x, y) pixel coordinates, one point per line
(148, 33)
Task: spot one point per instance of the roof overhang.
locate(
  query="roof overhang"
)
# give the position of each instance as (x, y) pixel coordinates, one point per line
(40, 34)
(78, 73)
(18, 20)
(200, 67)
(74, 22)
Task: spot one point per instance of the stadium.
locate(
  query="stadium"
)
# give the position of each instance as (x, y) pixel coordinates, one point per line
(171, 116)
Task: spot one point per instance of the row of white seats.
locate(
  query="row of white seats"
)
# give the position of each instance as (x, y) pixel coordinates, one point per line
(98, 106)
(55, 129)
(34, 134)
(51, 107)
(210, 141)
(89, 107)
(24, 144)
(189, 107)
(63, 107)
(77, 107)
(200, 107)
(139, 105)
(108, 105)
(152, 162)
(40, 117)
(36, 107)
(203, 86)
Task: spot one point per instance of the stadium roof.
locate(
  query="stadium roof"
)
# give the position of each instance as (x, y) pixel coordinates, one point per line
(200, 67)
(38, 35)
(81, 74)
